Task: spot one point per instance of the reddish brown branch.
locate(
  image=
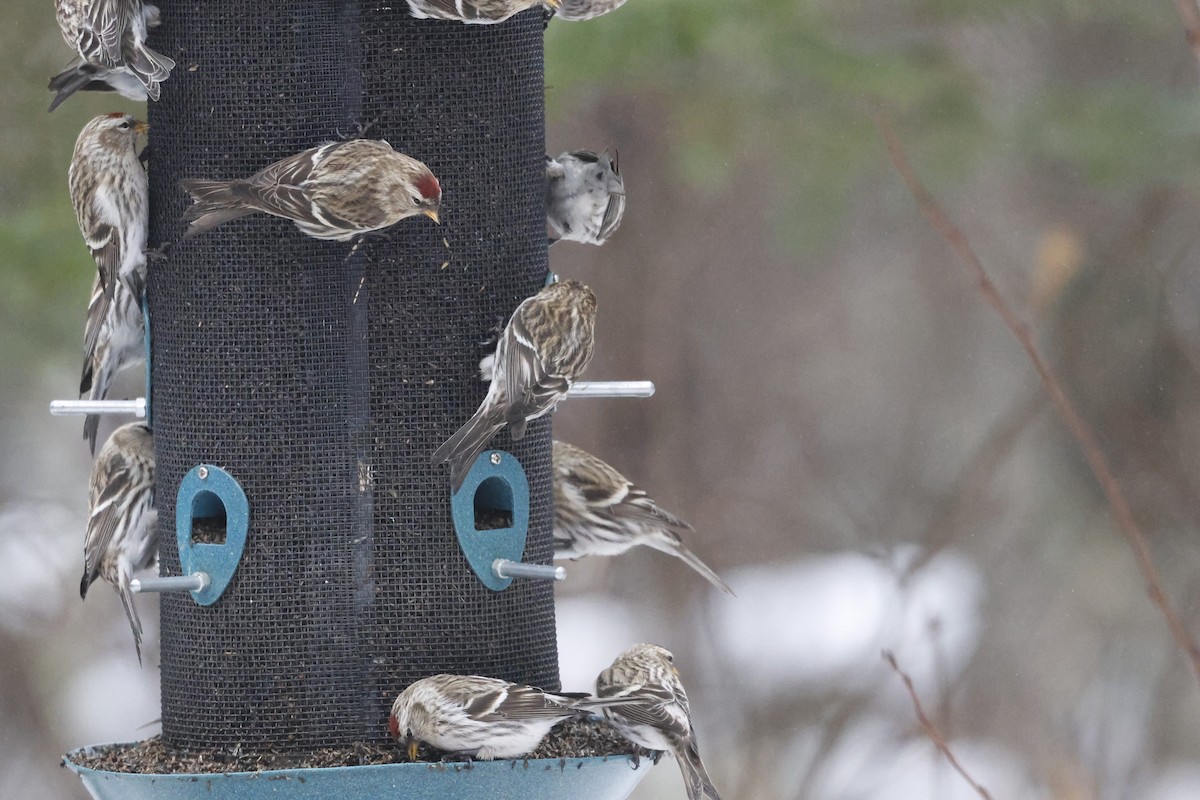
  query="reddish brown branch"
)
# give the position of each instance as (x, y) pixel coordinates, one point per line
(931, 730)
(1079, 429)
(1190, 14)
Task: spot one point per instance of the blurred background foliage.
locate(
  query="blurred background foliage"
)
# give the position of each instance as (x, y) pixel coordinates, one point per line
(865, 452)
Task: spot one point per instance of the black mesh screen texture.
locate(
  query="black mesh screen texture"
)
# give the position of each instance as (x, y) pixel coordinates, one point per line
(323, 379)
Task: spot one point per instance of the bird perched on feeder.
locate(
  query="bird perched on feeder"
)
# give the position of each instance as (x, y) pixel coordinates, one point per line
(585, 197)
(545, 347)
(339, 190)
(110, 38)
(113, 339)
(657, 716)
(599, 512)
(478, 717)
(475, 12)
(122, 533)
(575, 10)
(111, 197)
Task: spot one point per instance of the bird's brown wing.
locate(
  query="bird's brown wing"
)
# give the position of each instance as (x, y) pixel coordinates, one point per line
(526, 702)
(529, 386)
(103, 29)
(104, 242)
(279, 188)
(96, 312)
(114, 485)
(652, 705)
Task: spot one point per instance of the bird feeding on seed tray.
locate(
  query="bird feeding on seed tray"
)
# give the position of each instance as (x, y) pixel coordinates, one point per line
(599, 512)
(544, 348)
(475, 12)
(121, 533)
(111, 197)
(585, 197)
(477, 717)
(338, 191)
(109, 36)
(113, 339)
(657, 716)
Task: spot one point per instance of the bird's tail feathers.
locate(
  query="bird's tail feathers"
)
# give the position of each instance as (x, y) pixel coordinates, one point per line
(695, 776)
(217, 202)
(135, 624)
(68, 82)
(461, 449)
(150, 67)
(91, 426)
(671, 545)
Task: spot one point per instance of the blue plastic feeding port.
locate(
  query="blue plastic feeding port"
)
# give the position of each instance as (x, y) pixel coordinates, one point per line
(210, 495)
(491, 514)
(611, 778)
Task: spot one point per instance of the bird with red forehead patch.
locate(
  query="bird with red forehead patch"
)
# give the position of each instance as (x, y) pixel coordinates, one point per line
(336, 191)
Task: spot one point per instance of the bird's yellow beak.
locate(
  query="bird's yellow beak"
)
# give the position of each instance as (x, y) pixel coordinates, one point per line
(413, 744)
(433, 215)
(140, 127)
(554, 3)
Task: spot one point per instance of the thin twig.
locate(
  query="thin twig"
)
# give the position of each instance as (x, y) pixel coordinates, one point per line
(931, 730)
(1075, 423)
(1190, 14)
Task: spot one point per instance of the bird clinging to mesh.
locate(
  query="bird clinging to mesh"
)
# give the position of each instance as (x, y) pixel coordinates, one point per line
(109, 36)
(546, 345)
(585, 197)
(111, 197)
(335, 191)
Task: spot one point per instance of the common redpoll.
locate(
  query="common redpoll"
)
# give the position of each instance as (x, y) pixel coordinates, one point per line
(545, 347)
(479, 12)
(478, 717)
(598, 512)
(585, 196)
(336, 191)
(575, 10)
(110, 38)
(122, 533)
(113, 339)
(657, 716)
(111, 196)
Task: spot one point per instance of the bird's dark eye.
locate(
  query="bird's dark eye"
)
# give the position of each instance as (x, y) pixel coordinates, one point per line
(125, 125)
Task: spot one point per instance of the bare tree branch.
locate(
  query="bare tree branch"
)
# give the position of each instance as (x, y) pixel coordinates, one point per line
(931, 730)
(1080, 430)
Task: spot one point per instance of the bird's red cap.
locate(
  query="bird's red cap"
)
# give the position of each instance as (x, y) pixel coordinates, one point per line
(429, 187)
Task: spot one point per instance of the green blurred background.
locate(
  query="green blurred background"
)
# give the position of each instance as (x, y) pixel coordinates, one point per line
(864, 450)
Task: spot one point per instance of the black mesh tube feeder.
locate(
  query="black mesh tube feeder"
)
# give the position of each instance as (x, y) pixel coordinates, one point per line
(319, 377)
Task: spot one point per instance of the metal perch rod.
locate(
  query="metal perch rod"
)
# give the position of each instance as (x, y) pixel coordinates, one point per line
(197, 581)
(612, 389)
(503, 568)
(66, 408)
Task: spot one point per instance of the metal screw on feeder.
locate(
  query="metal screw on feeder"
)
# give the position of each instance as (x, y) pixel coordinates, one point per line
(503, 568)
(68, 408)
(196, 582)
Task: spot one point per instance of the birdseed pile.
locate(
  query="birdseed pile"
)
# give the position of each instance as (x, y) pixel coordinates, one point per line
(322, 376)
